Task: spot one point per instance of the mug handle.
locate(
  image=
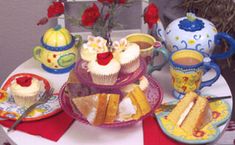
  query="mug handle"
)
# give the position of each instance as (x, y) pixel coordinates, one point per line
(210, 65)
(156, 51)
(230, 40)
(79, 37)
(37, 53)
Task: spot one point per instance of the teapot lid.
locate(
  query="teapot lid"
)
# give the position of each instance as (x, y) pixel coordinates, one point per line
(191, 23)
(57, 39)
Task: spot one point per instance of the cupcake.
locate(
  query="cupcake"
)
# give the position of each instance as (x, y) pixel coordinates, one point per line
(128, 55)
(93, 46)
(25, 90)
(105, 69)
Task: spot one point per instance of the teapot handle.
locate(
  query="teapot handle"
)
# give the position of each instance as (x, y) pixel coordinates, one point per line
(79, 41)
(230, 40)
(37, 51)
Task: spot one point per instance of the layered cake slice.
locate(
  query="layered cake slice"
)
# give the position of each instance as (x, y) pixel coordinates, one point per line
(98, 108)
(133, 105)
(191, 113)
(112, 108)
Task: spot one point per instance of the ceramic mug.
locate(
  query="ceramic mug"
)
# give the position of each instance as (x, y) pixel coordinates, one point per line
(187, 66)
(149, 49)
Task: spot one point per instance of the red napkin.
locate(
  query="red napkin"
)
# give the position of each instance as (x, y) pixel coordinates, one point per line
(51, 128)
(153, 134)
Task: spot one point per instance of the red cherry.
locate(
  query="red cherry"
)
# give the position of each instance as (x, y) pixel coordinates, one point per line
(24, 81)
(104, 58)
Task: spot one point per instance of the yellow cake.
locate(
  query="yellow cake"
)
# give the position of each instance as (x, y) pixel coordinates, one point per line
(191, 113)
(112, 108)
(98, 108)
(133, 105)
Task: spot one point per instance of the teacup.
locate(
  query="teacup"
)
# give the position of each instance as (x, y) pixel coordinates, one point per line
(149, 49)
(187, 66)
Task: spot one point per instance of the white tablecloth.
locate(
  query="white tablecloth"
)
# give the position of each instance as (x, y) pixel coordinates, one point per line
(82, 134)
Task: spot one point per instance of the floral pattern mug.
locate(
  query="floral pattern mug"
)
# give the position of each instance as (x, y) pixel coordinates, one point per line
(186, 74)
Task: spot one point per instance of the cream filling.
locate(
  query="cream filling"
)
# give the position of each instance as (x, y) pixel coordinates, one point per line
(185, 113)
(91, 116)
(126, 109)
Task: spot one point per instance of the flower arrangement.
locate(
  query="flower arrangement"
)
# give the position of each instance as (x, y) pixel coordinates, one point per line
(101, 20)
(151, 15)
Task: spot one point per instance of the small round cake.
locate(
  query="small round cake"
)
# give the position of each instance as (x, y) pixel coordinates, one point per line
(93, 46)
(25, 90)
(129, 58)
(104, 70)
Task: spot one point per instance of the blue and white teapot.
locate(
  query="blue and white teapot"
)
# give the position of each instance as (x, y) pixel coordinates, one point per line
(193, 32)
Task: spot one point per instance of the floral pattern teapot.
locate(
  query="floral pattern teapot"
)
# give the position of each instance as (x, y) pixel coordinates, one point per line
(193, 32)
(58, 52)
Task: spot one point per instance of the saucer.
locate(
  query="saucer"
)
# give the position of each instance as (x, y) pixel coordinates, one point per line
(10, 110)
(221, 112)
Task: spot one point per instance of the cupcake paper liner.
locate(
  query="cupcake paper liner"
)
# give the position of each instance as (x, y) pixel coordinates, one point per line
(104, 79)
(131, 66)
(25, 101)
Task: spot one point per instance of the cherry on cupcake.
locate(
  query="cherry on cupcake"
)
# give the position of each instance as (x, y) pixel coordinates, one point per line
(104, 58)
(24, 81)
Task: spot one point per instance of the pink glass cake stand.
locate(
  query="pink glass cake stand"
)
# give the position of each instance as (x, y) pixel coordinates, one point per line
(154, 95)
(123, 79)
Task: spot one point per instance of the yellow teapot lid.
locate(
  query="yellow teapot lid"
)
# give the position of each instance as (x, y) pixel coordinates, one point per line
(57, 37)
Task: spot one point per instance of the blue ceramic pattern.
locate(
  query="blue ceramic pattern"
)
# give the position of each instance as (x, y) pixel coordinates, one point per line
(230, 40)
(191, 26)
(182, 138)
(61, 48)
(58, 71)
(197, 37)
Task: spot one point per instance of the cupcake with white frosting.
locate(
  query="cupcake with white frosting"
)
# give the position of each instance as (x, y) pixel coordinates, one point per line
(128, 55)
(105, 69)
(93, 46)
(25, 90)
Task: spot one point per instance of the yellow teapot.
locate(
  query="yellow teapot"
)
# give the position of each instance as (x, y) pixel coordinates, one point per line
(58, 52)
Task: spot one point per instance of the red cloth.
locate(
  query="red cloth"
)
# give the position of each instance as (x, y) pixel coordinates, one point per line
(51, 128)
(153, 134)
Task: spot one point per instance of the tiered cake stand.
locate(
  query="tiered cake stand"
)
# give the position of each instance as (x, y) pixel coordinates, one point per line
(154, 92)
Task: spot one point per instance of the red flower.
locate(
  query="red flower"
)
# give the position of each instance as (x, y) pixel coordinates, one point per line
(106, 1)
(122, 1)
(151, 15)
(199, 133)
(56, 9)
(24, 81)
(215, 114)
(104, 58)
(90, 15)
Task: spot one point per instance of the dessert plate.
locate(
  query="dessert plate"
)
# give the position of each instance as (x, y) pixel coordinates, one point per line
(154, 96)
(10, 110)
(221, 112)
(123, 79)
